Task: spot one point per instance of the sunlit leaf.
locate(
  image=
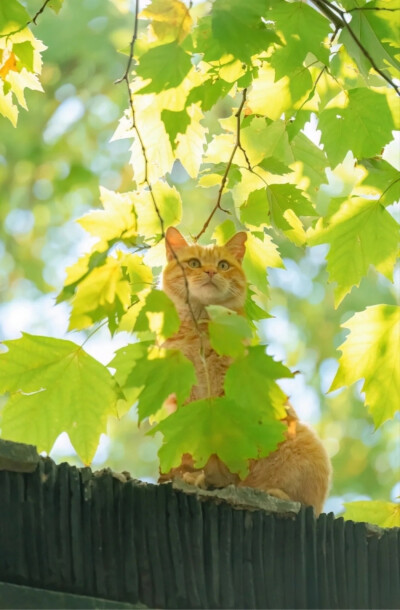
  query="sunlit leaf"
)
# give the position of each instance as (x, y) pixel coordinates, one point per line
(360, 121)
(361, 233)
(384, 514)
(116, 221)
(191, 143)
(371, 352)
(158, 315)
(376, 37)
(262, 141)
(105, 292)
(291, 18)
(169, 19)
(169, 205)
(13, 17)
(385, 178)
(260, 254)
(55, 387)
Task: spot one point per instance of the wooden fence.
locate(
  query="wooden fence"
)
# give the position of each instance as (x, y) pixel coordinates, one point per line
(65, 530)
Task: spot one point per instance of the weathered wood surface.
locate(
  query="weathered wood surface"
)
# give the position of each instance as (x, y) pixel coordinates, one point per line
(64, 529)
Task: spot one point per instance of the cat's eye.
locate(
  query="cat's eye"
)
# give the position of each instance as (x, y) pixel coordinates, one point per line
(194, 263)
(223, 265)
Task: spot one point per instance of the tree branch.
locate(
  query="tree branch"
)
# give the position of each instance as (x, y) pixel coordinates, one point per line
(337, 16)
(125, 78)
(40, 11)
(228, 166)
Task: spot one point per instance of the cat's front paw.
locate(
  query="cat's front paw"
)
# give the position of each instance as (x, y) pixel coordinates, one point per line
(278, 493)
(198, 479)
(171, 404)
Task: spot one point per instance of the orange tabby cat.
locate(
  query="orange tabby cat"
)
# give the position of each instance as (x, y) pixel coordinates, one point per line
(299, 468)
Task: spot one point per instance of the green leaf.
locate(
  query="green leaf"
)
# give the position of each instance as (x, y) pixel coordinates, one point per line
(228, 331)
(218, 426)
(286, 204)
(55, 387)
(238, 28)
(161, 373)
(291, 18)
(123, 362)
(175, 122)
(312, 161)
(385, 178)
(384, 514)
(371, 352)
(260, 254)
(253, 311)
(258, 371)
(262, 141)
(361, 233)
(376, 37)
(25, 53)
(208, 93)
(361, 122)
(166, 65)
(13, 17)
(56, 5)
(255, 211)
(158, 315)
(169, 204)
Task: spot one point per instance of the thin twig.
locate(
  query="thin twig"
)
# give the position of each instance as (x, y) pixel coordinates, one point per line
(125, 78)
(237, 146)
(337, 16)
(373, 8)
(33, 20)
(40, 11)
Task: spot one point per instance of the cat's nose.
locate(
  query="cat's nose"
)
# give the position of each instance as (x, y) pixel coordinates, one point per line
(210, 272)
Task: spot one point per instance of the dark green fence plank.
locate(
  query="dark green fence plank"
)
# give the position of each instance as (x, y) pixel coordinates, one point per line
(65, 529)
(29, 598)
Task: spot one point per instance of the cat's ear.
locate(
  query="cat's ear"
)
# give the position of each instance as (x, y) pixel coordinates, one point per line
(173, 242)
(236, 245)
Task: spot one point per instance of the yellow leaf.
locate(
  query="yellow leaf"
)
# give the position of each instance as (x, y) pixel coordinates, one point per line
(98, 292)
(190, 148)
(116, 221)
(170, 19)
(7, 108)
(22, 80)
(8, 64)
(268, 97)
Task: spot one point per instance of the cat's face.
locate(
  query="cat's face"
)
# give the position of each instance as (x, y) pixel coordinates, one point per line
(214, 273)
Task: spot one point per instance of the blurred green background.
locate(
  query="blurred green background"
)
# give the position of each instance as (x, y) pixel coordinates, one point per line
(51, 167)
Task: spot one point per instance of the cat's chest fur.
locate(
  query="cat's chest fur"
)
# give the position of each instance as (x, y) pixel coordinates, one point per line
(210, 368)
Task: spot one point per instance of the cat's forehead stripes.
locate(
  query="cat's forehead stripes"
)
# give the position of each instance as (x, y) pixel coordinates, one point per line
(210, 254)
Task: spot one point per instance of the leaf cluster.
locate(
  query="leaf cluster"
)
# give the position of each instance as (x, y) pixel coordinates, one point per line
(266, 172)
